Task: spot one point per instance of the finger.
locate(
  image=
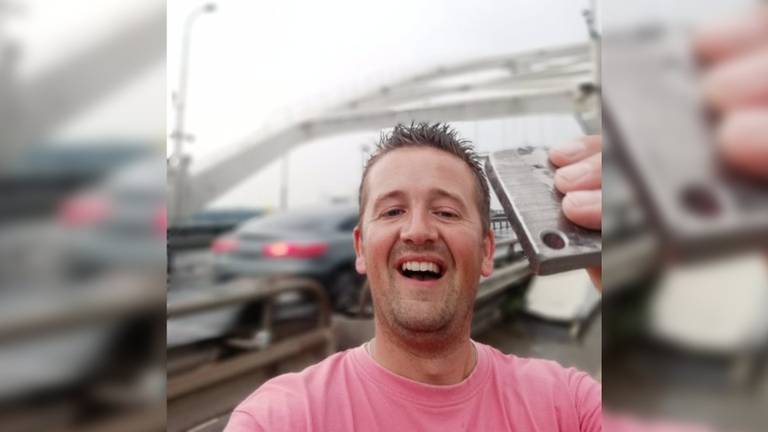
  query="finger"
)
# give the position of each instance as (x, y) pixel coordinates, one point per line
(724, 39)
(740, 82)
(584, 208)
(743, 141)
(582, 175)
(576, 150)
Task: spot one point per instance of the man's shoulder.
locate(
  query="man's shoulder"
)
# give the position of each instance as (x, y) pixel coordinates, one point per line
(535, 371)
(548, 382)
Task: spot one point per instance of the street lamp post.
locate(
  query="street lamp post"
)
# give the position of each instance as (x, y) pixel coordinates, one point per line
(179, 135)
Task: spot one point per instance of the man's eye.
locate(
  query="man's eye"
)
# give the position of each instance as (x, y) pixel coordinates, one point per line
(392, 212)
(447, 214)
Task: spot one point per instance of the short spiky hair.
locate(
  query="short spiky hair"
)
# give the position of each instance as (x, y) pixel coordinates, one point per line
(439, 136)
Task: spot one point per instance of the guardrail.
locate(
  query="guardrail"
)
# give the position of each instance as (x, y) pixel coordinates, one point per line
(500, 223)
(245, 291)
(105, 300)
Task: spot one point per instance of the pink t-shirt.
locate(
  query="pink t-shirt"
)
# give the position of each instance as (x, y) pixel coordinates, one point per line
(349, 391)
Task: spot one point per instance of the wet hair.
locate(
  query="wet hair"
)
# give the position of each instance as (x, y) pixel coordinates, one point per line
(439, 136)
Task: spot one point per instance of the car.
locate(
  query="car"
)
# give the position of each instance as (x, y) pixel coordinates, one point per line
(200, 229)
(120, 223)
(99, 232)
(314, 242)
(47, 173)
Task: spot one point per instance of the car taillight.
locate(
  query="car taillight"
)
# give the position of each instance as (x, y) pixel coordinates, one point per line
(294, 250)
(160, 222)
(83, 210)
(224, 245)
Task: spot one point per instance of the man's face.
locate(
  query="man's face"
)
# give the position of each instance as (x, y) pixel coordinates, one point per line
(421, 243)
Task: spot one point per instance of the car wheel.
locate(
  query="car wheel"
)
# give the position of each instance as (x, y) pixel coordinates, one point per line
(345, 289)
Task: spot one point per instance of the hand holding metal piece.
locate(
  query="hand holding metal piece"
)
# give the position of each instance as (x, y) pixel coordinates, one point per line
(530, 193)
(579, 177)
(655, 117)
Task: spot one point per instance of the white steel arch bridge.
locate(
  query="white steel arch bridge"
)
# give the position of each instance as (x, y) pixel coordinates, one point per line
(561, 80)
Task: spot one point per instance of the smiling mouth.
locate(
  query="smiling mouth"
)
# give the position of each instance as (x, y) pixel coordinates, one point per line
(422, 271)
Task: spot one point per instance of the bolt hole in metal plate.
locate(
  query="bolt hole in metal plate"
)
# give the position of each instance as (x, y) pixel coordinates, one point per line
(554, 239)
(523, 180)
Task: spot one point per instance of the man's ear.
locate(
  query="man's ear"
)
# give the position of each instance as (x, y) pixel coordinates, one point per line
(359, 257)
(489, 248)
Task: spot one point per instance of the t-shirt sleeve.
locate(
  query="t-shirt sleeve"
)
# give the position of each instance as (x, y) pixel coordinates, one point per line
(588, 400)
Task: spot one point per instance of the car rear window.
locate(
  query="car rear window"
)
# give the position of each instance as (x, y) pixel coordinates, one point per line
(299, 221)
(289, 222)
(223, 217)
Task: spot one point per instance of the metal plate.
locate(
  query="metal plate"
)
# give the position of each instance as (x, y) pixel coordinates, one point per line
(523, 179)
(654, 118)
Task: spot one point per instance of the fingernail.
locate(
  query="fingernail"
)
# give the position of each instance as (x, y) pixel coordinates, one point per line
(570, 149)
(573, 173)
(584, 198)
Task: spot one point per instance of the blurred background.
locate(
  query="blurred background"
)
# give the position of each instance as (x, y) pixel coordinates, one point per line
(82, 215)
(273, 110)
(684, 233)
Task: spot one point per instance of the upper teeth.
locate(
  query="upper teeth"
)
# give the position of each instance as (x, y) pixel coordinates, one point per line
(420, 266)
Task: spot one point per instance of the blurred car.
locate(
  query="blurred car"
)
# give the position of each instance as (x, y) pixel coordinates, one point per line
(310, 242)
(119, 224)
(107, 227)
(200, 229)
(45, 174)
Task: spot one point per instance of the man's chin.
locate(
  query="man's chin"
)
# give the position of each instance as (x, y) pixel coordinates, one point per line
(421, 326)
(422, 317)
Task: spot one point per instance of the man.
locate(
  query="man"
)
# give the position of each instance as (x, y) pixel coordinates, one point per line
(424, 241)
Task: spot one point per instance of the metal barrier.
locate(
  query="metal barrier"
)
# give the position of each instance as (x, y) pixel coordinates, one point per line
(500, 223)
(105, 300)
(244, 291)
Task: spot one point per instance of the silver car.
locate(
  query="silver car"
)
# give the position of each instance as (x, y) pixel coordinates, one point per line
(313, 242)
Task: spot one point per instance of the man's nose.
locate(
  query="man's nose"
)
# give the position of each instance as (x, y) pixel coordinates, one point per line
(418, 229)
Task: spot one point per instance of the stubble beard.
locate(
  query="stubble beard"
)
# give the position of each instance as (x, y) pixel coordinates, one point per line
(429, 323)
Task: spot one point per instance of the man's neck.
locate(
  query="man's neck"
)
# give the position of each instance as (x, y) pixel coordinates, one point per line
(449, 364)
